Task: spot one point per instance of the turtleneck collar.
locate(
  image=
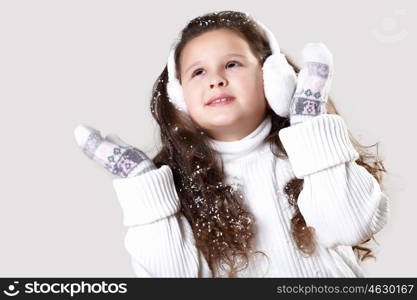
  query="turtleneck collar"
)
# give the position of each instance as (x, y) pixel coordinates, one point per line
(230, 151)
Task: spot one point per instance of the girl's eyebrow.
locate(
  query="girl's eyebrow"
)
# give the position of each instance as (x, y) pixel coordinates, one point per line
(227, 55)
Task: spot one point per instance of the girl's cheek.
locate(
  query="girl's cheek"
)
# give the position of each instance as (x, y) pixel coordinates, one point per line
(244, 78)
(192, 84)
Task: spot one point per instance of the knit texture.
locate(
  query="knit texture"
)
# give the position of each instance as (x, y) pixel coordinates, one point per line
(340, 199)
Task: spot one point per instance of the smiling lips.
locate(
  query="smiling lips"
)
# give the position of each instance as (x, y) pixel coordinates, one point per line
(219, 100)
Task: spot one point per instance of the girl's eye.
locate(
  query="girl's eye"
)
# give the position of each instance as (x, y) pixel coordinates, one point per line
(233, 62)
(196, 72)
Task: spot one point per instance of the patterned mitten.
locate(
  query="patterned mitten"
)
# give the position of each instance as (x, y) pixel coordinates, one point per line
(119, 158)
(313, 84)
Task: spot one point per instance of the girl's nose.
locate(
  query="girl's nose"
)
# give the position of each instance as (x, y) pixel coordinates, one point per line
(218, 82)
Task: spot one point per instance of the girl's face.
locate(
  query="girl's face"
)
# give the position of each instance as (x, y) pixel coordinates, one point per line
(221, 62)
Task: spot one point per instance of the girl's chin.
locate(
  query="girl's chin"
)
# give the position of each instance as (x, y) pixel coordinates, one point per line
(223, 120)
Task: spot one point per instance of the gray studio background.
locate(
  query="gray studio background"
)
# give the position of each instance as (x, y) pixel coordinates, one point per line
(94, 62)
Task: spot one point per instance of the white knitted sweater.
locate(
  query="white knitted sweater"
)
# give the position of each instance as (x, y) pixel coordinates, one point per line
(340, 199)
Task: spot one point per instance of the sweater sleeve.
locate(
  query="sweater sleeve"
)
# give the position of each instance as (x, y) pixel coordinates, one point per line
(340, 199)
(159, 238)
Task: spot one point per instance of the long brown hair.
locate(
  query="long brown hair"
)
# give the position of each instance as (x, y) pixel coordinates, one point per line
(223, 228)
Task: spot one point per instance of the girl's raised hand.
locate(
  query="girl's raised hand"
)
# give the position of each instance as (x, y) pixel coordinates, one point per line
(313, 83)
(112, 153)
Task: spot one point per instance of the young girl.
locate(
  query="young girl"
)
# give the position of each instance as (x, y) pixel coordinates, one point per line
(257, 176)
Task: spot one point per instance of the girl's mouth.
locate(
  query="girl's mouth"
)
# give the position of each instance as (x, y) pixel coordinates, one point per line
(222, 101)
